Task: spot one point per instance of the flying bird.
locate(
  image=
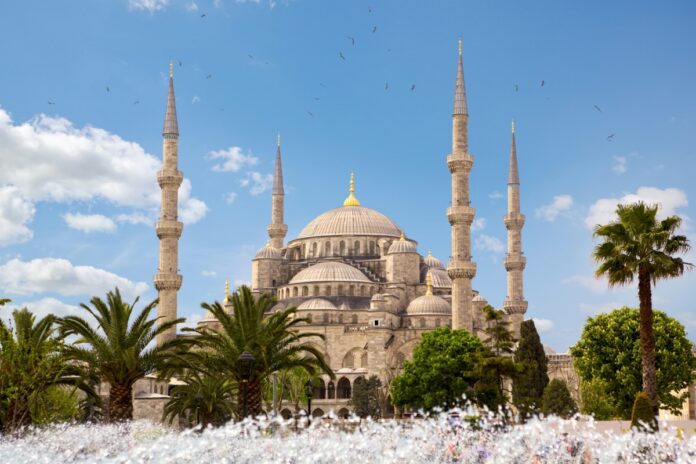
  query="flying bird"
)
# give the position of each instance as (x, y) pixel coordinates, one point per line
(251, 57)
(386, 86)
(610, 137)
(208, 76)
(352, 39)
(340, 55)
(108, 89)
(136, 102)
(203, 15)
(598, 108)
(51, 103)
(374, 29)
(317, 98)
(413, 87)
(369, 9)
(322, 84)
(517, 88)
(542, 82)
(180, 63)
(310, 113)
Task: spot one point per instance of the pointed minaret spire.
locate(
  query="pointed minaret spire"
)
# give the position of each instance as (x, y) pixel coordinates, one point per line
(351, 200)
(515, 305)
(168, 280)
(227, 291)
(277, 228)
(461, 268)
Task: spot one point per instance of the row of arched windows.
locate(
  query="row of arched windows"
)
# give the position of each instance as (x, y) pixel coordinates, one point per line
(327, 290)
(341, 248)
(341, 390)
(327, 319)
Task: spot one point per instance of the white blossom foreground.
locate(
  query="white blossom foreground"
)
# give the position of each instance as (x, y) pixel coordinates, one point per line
(438, 439)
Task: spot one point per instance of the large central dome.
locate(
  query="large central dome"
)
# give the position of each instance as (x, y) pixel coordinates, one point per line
(351, 220)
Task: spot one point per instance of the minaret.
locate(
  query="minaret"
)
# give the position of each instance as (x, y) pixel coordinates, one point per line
(168, 280)
(460, 215)
(277, 229)
(515, 305)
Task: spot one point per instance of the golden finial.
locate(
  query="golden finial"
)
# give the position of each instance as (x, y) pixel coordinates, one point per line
(513, 126)
(428, 284)
(402, 237)
(227, 291)
(278, 139)
(171, 69)
(351, 200)
(460, 46)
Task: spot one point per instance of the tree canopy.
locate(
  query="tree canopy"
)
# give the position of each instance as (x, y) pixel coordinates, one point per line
(528, 387)
(609, 349)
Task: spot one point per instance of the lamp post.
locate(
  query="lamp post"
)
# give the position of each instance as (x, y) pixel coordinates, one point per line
(309, 391)
(246, 363)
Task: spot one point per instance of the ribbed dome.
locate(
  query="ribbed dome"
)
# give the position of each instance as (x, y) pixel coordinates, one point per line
(329, 272)
(317, 303)
(428, 304)
(432, 262)
(440, 278)
(402, 246)
(351, 220)
(268, 252)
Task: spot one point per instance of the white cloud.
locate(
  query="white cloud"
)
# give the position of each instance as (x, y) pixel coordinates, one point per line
(61, 276)
(488, 243)
(495, 195)
(670, 199)
(89, 223)
(620, 164)
(134, 219)
(478, 224)
(191, 321)
(590, 283)
(550, 212)
(147, 5)
(230, 197)
(257, 182)
(15, 213)
(206, 273)
(195, 99)
(193, 7)
(234, 159)
(542, 325)
(48, 159)
(45, 306)
(596, 308)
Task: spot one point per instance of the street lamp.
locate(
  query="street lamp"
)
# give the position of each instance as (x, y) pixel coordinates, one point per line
(246, 363)
(309, 391)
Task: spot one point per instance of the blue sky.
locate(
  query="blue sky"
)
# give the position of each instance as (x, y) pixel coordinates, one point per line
(83, 90)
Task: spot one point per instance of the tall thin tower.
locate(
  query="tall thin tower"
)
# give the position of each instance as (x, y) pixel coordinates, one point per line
(168, 280)
(461, 268)
(277, 228)
(515, 305)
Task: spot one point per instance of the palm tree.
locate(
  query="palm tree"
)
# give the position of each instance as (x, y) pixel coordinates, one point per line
(637, 245)
(206, 398)
(120, 351)
(272, 339)
(32, 362)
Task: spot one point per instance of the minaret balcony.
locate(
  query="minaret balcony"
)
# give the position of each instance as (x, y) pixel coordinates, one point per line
(457, 162)
(167, 228)
(166, 281)
(514, 221)
(461, 269)
(515, 306)
(460, 215)
(515, 262)
(169, 178)
(277, 230)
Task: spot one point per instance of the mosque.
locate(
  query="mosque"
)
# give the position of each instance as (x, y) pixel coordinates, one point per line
(355, 274)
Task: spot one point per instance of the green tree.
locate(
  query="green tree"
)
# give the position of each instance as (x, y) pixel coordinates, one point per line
(528, 387)
(557, 400)
(442, 370)
(639, 246)
(206, 398)
(272, 338)
(595, 401)
(32, 364)
(120, 351)
(609, 349)
(56, 404)
(365, 400)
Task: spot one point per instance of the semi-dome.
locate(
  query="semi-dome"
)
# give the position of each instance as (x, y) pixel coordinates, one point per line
(402, 246)
(268, 252)
(428, 304)
(331, 271)
(316, 303)
(351, 220)
(432, 262)
(440, 278)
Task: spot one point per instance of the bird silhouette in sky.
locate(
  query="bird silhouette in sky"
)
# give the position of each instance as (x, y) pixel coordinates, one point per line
(610, 137)
(251, 57)
(352, 39)
(374, 29)
(208, 76)
(136, 102)
(51, 103)
(598, 108)
(517, 88)
(413, 88)
(204, 15)
(322, 84)
(180, 63)
(310, 114)
(108, 89)
(340, 55)
(369, 9)
(386, 86)
(542, 82)
(317, 98)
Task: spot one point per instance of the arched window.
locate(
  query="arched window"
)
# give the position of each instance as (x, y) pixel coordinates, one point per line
(309, 318)
(305, 291)
(340, 318)
(328, 290)
(343, 413)
(351, 290)
(342, 248)
(344, 389)
(331, 391)
(363, 360)
(359, 381)
(362, 290)
(327, 248)
(326, 318)
(356, 248)
(437, 322)
(421, 321)
(314, 249)
(349, 361)
(340, 290)
(304, 250)
(372, 248)
(294, 291)
(318, 413)
(287, 415)
(354, 319)
(319, 390)
(316, 290)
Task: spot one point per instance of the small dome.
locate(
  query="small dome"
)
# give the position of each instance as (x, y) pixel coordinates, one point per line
(331, 271)
(428, 304)
(316, 303)
(432, 262)
(268, 252)
(440, 278)
(402, 246)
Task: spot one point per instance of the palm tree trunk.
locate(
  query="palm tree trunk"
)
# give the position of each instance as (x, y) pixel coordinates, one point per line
(120, 402)
(647, 338)
(255, 399)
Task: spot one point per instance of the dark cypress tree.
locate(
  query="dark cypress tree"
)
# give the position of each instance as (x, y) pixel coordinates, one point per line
(528, 387)
(365, 400)
(557, 400)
